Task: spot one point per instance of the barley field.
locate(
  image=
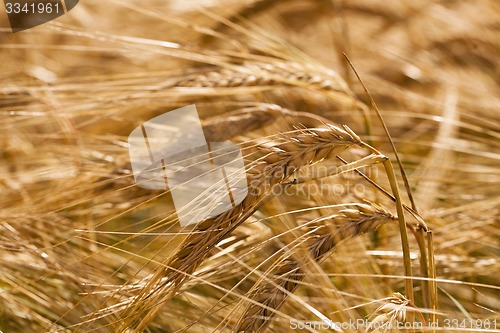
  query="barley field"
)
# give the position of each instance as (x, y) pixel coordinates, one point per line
(370, 135)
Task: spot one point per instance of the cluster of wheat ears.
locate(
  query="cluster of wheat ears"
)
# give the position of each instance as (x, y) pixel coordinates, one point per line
(369, 131)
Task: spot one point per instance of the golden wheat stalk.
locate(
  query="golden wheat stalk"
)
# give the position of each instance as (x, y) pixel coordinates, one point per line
(268, 297)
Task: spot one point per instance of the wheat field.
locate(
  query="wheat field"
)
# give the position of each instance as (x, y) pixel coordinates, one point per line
(370, 136)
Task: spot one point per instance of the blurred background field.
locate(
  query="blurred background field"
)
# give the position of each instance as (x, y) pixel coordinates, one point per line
(77, 236)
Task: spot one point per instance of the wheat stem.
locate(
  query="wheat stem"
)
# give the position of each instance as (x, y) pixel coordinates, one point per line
(403, 232)
(432, 271)
(386, 130)
(424, 266)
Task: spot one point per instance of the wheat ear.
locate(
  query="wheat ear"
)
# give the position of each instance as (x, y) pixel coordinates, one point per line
(280, 159)
(268, 298)
(254, 73)
(390, 314)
